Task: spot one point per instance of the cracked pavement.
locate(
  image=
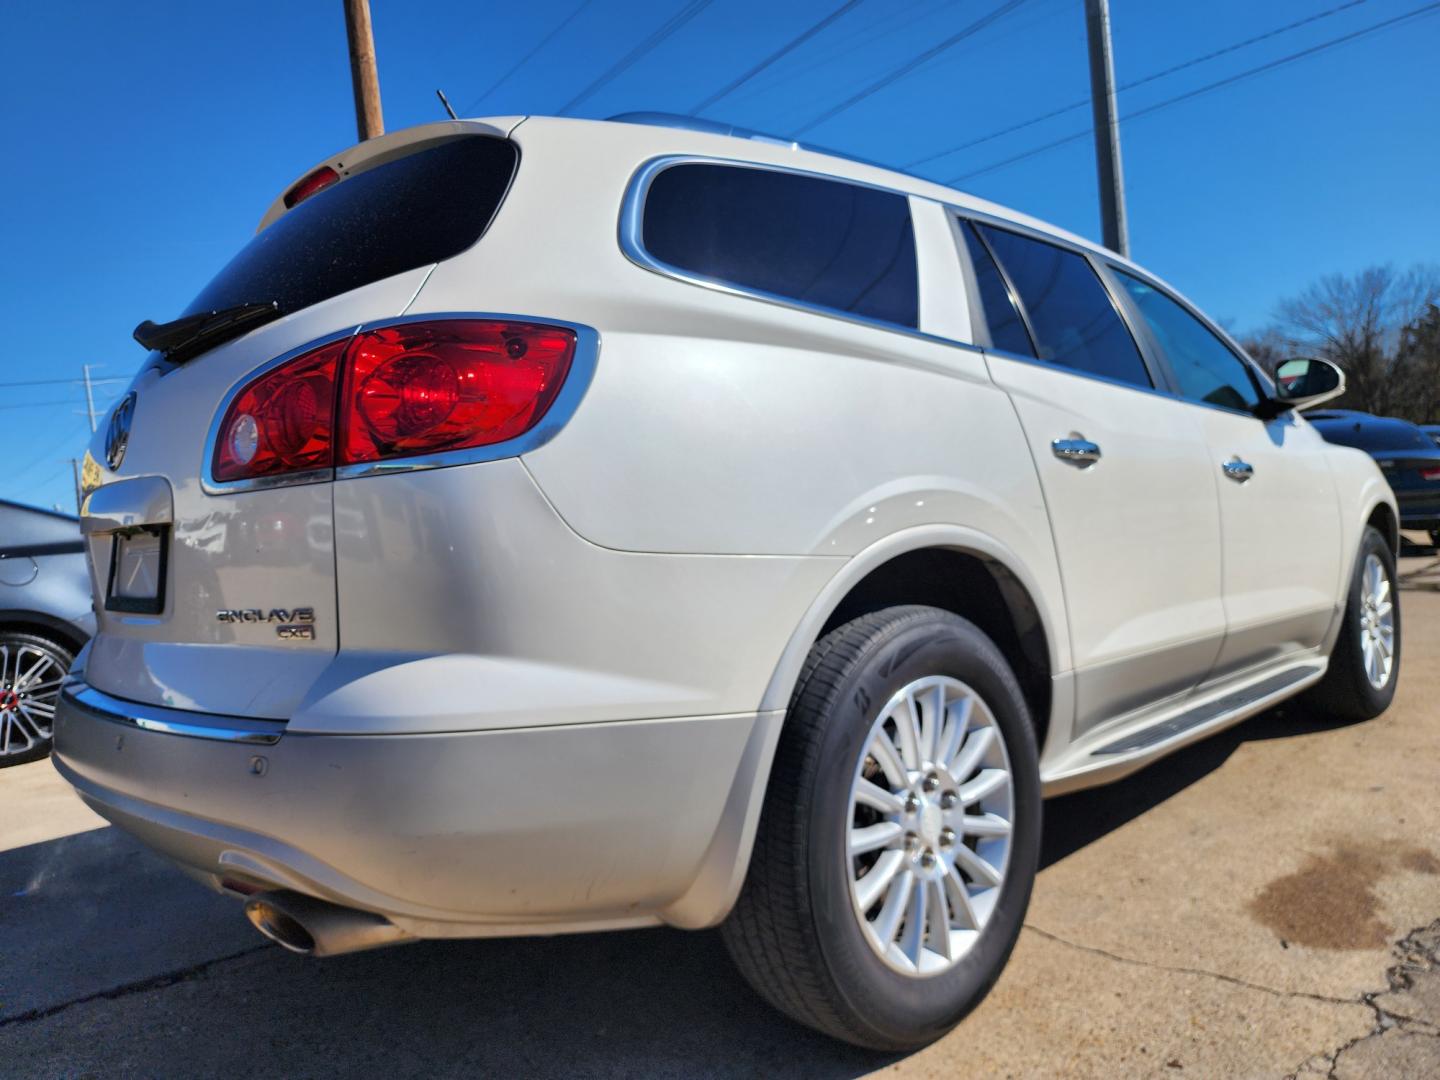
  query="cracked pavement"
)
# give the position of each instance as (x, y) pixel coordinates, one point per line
(1263, 904)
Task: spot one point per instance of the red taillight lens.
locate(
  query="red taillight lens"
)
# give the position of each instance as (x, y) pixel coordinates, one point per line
(283, 421)
(318, 180)
(1430, 474)
(422, 388)
(399, 391)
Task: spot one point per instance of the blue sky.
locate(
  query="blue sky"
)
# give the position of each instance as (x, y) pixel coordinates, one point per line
(146, 140)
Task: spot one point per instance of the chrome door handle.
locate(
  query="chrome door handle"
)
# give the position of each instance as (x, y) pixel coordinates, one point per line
(1238, 470)
(1076, 450)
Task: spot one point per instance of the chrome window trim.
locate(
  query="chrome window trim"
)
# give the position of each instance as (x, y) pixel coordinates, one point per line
(631, 230)
(577, 382)
(197, 725)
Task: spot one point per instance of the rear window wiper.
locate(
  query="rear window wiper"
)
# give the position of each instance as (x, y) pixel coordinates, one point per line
(188, 335)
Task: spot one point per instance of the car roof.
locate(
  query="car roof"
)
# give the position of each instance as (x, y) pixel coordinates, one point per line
(8, 505)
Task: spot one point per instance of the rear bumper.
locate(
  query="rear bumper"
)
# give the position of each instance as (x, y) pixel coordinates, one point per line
(540, 829)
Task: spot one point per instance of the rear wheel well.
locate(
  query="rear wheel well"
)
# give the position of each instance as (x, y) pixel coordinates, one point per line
(1382, 518)
(971, 586)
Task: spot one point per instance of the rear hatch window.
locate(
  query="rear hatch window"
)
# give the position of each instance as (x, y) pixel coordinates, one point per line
(419, 209)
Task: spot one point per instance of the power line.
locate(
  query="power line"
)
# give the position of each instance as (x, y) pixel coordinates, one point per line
(1425, 9)
(889, 24)
(625, 62)
(37, 404)
(60, 382)
(779, 54)
(1082, 102)
(528, 56)
(906, 68)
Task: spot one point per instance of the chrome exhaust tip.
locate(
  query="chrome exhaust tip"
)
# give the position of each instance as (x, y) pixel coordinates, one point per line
(313, 927)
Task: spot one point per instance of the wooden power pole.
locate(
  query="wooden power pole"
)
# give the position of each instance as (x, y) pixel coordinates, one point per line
(1107, 128)
(363, 76)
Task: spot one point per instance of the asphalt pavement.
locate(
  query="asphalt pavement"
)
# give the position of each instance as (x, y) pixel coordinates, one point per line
(1264, 904)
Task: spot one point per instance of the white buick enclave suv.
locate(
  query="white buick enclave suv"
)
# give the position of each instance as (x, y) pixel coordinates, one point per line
(547, 525)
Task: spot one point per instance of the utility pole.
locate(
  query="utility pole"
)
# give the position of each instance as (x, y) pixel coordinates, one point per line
(90, 398)
(363, 76)
(1107, 128)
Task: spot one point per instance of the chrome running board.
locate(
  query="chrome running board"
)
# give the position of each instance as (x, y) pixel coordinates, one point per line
(1126, 746)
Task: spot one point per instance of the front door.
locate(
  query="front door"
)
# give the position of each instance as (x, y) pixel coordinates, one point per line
(1126, 474)
(1279, 515)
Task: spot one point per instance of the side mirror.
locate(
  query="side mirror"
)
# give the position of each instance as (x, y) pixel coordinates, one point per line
(1305, 382)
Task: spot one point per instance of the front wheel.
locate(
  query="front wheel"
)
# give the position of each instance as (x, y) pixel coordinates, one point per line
(900, 833)
(1365, 662)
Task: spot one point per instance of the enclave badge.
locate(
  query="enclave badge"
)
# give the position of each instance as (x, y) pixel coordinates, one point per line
(294, 624)
(117, 435)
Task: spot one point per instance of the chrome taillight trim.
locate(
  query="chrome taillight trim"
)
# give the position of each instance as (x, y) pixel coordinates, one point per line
(577, 382)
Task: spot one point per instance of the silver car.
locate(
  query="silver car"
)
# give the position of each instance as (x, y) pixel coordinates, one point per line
(547, 525)
(45, 617)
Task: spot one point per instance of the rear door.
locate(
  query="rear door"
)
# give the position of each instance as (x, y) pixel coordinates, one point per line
(1279, 514)
(221, 597)
(1125, 472)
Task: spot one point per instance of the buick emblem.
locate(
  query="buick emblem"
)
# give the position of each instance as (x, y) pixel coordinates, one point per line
(117, 438)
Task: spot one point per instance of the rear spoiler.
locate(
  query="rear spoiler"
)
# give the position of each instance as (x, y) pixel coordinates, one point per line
(383, 148)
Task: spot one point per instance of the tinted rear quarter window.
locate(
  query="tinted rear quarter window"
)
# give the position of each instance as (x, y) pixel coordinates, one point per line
(1073, 321)
(806, 238)
(420, 209)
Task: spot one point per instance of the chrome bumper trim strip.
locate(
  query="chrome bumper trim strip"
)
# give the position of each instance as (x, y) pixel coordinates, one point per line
(234, 729)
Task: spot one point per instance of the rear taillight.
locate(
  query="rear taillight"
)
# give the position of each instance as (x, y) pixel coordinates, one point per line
(420, 388)
(398, 391)
(283, 422)
(1430, 474)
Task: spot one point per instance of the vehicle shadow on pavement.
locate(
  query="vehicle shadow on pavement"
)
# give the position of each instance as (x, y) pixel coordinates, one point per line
(122, 965)
(115, 962)
(1073, 821)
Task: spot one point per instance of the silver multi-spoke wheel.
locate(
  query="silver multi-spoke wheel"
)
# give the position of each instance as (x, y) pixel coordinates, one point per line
(30, 678)
(931, 806)
(1377, 622)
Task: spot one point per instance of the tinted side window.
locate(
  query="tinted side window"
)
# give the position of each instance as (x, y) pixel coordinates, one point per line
(1006, 330)
(806, 238)
(1204, 366)
(1071, 316)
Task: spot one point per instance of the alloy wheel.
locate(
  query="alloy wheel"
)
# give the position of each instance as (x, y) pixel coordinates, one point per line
(931, 808)
(30, 678)
(1377, 622)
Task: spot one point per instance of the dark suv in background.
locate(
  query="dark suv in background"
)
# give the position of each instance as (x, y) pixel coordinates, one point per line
(46, 615)
(1407, 454)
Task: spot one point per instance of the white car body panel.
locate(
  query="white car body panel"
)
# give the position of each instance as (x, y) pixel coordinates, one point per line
(624, 609)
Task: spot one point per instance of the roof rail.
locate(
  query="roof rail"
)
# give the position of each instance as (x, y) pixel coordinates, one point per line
(695, 123)
(719, 127)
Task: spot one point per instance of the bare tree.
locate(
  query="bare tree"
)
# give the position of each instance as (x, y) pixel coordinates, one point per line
(1418, 358)
(1360, 323)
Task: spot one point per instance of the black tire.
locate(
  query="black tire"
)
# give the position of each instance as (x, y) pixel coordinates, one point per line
(25, 738)
(1346, 692)
(794, 932)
